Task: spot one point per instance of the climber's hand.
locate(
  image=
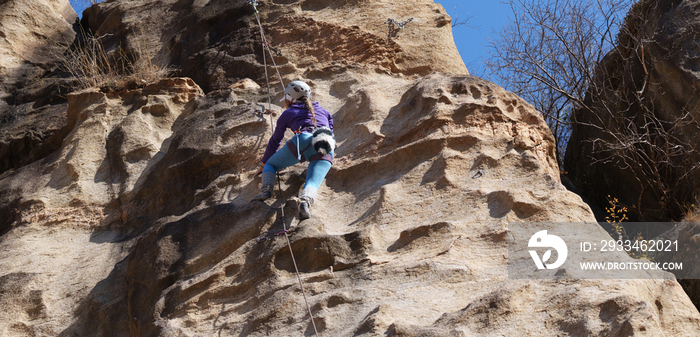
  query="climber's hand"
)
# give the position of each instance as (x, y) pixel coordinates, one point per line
(260, 169)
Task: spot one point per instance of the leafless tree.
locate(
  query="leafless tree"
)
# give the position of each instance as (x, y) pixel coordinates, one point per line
(579, 62)
(548, 53)
(657, 148)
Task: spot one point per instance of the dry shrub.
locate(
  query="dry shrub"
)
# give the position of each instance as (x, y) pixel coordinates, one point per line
(144, 69)
(692, 213)
(91, 65)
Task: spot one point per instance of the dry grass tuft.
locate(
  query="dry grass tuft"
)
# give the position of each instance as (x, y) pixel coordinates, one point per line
(91, 65)
(692, 213)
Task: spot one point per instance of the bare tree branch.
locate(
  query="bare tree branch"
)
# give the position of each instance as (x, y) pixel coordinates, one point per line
(456, 22)
(548, 54)
(571, 60)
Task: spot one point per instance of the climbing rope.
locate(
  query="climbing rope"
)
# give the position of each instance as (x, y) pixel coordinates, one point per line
(270, 50)
(265, 44)
(291, 253)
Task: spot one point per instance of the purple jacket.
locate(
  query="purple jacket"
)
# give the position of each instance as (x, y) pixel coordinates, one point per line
(295, 118)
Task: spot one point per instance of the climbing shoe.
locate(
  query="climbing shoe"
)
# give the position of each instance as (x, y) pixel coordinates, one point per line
(262, 196)
(304, 210)
(266, 186)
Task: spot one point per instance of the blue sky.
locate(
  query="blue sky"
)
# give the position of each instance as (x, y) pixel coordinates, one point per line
(484, 18)
(79, 5)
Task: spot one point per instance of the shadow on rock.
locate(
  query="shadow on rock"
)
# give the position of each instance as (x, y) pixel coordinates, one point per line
(125, 302)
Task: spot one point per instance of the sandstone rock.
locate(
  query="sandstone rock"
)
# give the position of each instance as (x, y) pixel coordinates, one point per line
(685, 239)
(140, 222)
(33, 36)
(245, 84)
(34, 33)
(55, 257)
(217, 42)
(407, 238)
(111, 139)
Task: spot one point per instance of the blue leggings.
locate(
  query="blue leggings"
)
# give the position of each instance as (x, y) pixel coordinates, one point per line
(284, 158)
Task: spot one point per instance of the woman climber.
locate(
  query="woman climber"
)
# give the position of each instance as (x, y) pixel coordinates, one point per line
(313, 141)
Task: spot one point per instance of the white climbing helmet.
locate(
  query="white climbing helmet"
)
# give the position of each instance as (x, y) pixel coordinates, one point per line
(295, 90)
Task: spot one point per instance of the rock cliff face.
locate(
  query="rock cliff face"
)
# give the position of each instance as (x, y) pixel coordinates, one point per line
(650, 92)
(33, 36)
(139, 223)
(217, 42)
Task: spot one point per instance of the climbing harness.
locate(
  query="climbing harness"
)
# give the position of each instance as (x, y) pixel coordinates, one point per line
(297, 135)
(254, 3)
(300, 152)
